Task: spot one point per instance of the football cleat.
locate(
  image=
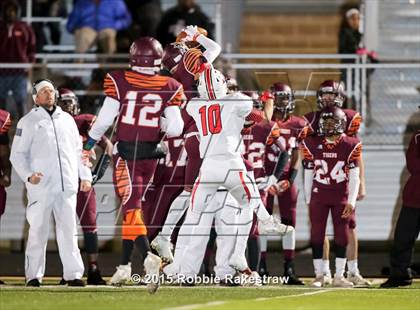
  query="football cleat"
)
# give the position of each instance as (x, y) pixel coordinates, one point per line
(327, 278)
(319, 281)
(358, 280)
(289, 272)
(33, 283)
(152, 265)
(273, 226)
(76, 282)
(164, 248)
(341, 281)
(396, 282)
(94, 277)
(122, 275)
(239, 263)
(252, 279)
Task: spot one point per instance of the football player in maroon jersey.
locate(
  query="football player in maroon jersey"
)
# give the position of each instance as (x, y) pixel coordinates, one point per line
(331, 181)
(408, 224)
(86, 201)
(144, 104)
(288, 132)
(331, 93)
(5, 165)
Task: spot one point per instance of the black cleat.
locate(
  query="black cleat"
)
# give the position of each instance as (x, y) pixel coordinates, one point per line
(62, 282)
(396, 282)
(94, 277)
(76, 282)
(2, 283)
(289, 271)
(33, 283)
(262, 270)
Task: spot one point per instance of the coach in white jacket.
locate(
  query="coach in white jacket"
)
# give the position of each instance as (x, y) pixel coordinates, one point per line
(47, 155)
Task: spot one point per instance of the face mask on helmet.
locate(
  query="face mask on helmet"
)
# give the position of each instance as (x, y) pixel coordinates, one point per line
(68, 102)
(146, 53)
(332, 122)
(330, 94)
(212, 84)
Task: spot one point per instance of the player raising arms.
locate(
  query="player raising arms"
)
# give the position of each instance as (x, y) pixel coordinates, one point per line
(331, 93)
(331, 181)
(144, 103)
(86, 201)
(288, 133)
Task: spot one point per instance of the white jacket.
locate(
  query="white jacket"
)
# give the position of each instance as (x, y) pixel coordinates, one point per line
(49, 144)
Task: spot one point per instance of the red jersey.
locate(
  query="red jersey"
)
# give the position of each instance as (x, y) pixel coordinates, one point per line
(255, 141)
(331, 163)
(411, 193)
(143, 99)
(353, 118)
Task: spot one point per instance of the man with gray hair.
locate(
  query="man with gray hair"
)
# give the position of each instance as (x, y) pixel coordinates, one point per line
(47, 155)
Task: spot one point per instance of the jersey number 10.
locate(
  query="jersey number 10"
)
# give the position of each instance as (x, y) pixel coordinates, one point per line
(210, 119)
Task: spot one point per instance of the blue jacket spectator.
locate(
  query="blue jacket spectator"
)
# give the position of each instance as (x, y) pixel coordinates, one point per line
(99, 15)
(98, 20)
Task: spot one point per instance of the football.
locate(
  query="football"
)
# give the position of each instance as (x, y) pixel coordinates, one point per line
(183, 34)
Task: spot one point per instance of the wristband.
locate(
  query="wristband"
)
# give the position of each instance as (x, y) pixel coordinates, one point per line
(90, 143)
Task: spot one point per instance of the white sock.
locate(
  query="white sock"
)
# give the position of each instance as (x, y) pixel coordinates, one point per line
(340, 265)
(176, 211)
(289, 241)
(263, 243)
(318, 267)
(326, 267)
(352, 266)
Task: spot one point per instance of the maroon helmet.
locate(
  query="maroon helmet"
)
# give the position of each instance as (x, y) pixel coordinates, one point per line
(172, 55)
(336, 89)
(146, 52)
(332, 121)
(284, 99)
(67, 100)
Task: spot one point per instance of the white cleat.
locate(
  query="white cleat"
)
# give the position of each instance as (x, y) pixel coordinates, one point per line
(319, 281)
(253, 279)
(152, 265)
(341, 281)
(358, 280)
(327, 278)
(239, 263)
(164, 248)
(273, 226)
(122, 275)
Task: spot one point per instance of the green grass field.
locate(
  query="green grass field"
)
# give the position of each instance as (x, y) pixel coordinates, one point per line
(16, 296)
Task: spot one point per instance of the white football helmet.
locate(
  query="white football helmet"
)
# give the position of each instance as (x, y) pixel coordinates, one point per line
(212, 84)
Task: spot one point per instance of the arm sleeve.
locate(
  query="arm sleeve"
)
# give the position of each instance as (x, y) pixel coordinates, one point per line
(354, 126)
(174, 122)
(308, 179)
(255, 116)
(281, 163)
(106, 117)
(212, 48)
(354, 183)
(21, 146)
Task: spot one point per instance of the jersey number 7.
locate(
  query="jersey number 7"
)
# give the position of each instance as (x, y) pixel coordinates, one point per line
(210, 119)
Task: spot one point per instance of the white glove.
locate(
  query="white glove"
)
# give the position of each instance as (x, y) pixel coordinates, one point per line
(265, 183)
(192, 33)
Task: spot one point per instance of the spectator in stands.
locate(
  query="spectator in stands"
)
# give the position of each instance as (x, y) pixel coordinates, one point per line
(187, 12)
(98, 20)
(17, 45)
(48, 8)
(146, 16)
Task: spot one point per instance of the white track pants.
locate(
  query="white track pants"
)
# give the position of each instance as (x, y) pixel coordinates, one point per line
(38, 214)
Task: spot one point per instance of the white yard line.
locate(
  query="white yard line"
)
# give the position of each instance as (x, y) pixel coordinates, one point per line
(220, 302)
